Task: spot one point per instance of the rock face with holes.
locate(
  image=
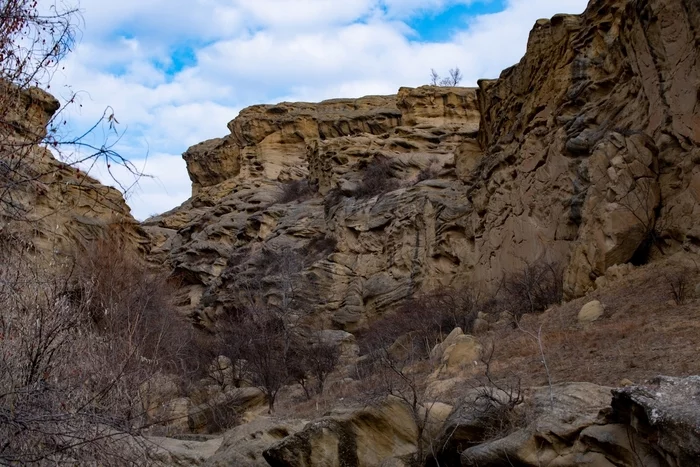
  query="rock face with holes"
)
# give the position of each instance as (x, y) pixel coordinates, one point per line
(585, 153)
(346, 255)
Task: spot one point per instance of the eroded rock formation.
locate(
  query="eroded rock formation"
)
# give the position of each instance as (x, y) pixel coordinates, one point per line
(55, 208)
(584, 153)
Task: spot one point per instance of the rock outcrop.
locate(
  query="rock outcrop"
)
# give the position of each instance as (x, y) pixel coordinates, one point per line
(365, 437)
(362, 254)
(55, 208)
(244, 445)
(585, 153)
(577, 424)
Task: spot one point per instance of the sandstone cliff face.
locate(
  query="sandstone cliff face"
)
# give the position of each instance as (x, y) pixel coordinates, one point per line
(361, 254)
(585, 153)
(592, 140)
(53, 207)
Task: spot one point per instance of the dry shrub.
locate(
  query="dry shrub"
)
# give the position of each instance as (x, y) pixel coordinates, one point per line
(533, 289)
(296, 190)
(427, 318)
(377, 178)
(75, 346)
(679, 285)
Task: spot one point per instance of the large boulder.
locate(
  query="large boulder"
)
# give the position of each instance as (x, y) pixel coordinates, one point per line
(364, 437)
(665, 413)
(491, 426)
(243, 446)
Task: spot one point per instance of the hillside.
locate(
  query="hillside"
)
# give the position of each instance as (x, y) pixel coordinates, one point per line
(447, 276)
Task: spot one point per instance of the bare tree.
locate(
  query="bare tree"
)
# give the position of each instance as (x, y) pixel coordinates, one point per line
(532, 289)
(455, 77)
(74, 350)
(434, 77)
(394, 368)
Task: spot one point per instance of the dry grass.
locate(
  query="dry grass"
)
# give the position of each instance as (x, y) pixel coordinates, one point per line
(643, 333)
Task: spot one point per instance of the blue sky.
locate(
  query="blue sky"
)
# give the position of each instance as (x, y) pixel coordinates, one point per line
(176, 71)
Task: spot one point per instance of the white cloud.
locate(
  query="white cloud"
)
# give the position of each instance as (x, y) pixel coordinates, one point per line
(252, 51)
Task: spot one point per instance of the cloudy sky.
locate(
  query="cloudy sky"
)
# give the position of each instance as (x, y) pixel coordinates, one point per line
(176, 71)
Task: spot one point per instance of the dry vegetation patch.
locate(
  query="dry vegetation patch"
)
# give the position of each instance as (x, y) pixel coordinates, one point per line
(643, 333)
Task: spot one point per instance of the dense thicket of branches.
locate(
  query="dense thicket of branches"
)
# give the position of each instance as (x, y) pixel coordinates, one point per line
(76, 345)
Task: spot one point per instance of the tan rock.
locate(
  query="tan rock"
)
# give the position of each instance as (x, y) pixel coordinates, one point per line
(363, 437)
(212, 162)
(463, 354)
(528, 166)
(244, 445)
(182, 452)
(437, 351)
(481, 326)
(590, 312)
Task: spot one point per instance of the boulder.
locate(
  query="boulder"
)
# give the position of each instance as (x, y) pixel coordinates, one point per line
(590, 312)
(554, 417)
(665, 412)
(243, 446)
(464, 353)
(364, 437)
(437, 351)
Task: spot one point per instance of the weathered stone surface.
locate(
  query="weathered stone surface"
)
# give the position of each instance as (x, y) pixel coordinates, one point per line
(599, 101)
(665, 413)
(244, 445)
(212, 162)
(584, 153)
(53, 206)
(214, 240)
(555, 417)
(365, 437)
(181, 452)
(576, 424)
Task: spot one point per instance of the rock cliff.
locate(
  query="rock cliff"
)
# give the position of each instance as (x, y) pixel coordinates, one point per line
(53, 207)
(585, 153)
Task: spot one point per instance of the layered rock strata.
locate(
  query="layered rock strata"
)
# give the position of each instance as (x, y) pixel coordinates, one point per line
(585, 153)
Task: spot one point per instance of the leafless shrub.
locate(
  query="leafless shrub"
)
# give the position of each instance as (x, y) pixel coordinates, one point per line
(679, 285)
(492, 404)
(296, 190)
(74, 350)
(455, 77)
(377, 178)
(322, 358)
(498, 399)
(533, 289)
(429, 318)
(397, 375)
